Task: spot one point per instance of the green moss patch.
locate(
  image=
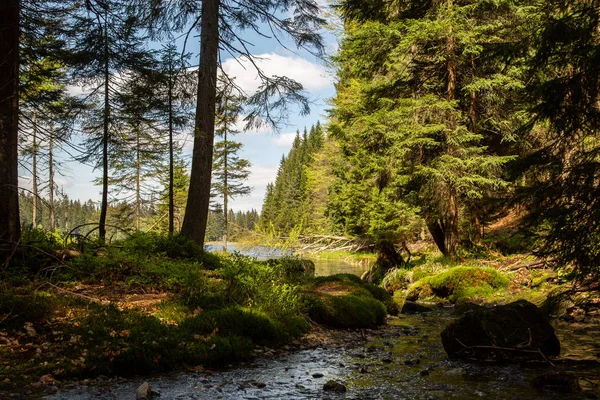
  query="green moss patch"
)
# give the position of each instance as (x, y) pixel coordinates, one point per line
(459, 283)
(345, 301)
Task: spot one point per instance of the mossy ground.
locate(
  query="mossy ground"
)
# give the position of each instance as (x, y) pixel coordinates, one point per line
(155, 304)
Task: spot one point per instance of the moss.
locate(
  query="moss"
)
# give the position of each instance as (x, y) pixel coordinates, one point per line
(348, 311)
(420, 290)
(459, 283)
(352, 284)
(345, 301)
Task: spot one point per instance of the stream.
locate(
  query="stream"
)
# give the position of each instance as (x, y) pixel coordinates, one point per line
(402, 360)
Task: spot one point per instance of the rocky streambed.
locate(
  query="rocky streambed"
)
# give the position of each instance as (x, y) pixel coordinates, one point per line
(402, 360)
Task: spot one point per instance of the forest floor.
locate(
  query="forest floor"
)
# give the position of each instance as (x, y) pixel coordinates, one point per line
(135, 309)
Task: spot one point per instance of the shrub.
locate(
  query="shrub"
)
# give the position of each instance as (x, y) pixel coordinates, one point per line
(18, 308)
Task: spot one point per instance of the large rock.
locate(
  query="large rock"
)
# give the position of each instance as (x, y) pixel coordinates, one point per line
(514, 332)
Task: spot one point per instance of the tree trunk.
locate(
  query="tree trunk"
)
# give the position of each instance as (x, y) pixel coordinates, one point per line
(439, 236)
(104, 202)
(225, 187)
(138, 172)
(452, 225)
(34, 172)
(171, 155)
(387, 258)
(10, 229)
(196, 216)
(51, 179)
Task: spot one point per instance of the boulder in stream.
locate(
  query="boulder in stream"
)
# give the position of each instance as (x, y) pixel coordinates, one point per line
(143, 391)
(333, 386)
(410, 307)
(560, 381)
(513, 332)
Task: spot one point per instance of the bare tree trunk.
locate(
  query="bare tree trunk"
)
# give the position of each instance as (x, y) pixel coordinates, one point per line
(196, 216)
(171, 155)
(138, 197)
(225, 186)
(439, 236)
(452, 228)
(451, 231)
(34, 172)
(104, 202)
(10, 229)
(51, 179)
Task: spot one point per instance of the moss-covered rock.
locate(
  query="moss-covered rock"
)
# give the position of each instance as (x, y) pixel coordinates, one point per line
(459, 283)
(513, 332)
(419, 290)
(347, 311)
(344, 301)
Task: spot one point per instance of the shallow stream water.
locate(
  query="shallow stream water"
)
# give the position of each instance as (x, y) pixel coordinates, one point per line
(402, 360)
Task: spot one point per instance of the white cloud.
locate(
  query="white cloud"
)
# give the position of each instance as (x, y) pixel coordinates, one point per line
(260, 176)
(285, 140)
(312, 76)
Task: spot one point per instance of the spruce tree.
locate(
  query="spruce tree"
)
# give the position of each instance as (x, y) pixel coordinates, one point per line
(107, 43)
(408, 112)
(229, 170)
(221, 25)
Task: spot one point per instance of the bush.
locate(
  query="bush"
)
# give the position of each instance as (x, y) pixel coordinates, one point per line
(292, 268)
(18, 308)
(176, 247)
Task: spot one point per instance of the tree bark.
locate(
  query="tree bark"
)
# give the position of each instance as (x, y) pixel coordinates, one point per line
(452, 225)
(105, 122)
(225, 175)
(10, 228)
(451, 231)
(138, 173)
(439, 236)
(34, 173)
(171, 155)
(194, 222)
(51, 179)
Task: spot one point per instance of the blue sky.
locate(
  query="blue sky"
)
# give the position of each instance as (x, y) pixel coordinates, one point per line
(262, 147)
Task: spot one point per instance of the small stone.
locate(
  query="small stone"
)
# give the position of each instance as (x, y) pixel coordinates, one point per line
(317, 375)
(455, 372)
(144, 391)
(51, 390)
(333, 386)
(259, 384)
(565, 382)
(47, 379)
(414, 361)
(424, 372)
(387, 360)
